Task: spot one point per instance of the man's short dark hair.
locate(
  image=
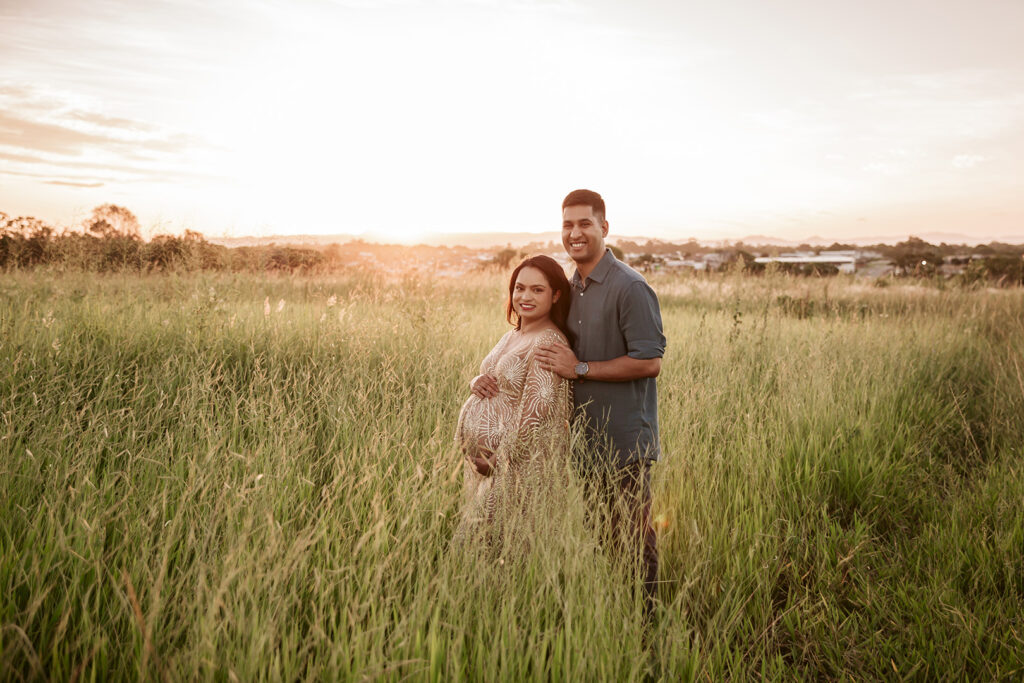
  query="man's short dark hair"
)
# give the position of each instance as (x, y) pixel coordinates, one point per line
(586, 198)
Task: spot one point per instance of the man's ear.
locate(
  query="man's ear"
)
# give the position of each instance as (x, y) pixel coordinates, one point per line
(604, 229)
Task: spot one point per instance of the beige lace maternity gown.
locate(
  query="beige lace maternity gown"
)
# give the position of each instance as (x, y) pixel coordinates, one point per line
(526, 426)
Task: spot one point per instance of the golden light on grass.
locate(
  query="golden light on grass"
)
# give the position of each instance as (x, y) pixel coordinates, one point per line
(825, 477)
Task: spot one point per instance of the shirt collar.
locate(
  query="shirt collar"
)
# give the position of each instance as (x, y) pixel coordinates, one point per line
(598, 273)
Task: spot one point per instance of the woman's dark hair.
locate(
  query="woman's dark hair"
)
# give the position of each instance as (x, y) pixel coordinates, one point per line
(555, 276)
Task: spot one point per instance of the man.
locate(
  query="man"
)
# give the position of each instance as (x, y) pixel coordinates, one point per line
(614, 362)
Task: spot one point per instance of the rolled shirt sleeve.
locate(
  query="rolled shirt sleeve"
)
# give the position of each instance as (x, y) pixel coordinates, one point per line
(640, 322)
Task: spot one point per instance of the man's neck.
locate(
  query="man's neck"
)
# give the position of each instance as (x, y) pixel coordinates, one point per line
(585, 269)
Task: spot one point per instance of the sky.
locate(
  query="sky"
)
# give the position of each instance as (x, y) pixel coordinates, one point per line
(392, 119)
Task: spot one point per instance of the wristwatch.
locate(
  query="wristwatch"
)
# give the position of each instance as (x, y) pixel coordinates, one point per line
(582, 369)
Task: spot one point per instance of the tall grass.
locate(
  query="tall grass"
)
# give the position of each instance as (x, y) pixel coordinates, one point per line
(199, 481)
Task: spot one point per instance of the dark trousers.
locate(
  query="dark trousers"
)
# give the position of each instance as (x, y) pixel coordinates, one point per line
(623, 497)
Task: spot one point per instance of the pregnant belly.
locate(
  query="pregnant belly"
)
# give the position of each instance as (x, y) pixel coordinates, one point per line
(481, 423)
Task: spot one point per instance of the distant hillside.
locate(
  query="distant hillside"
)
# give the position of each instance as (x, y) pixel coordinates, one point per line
(482, 240)
(932, 237)
(436, 239)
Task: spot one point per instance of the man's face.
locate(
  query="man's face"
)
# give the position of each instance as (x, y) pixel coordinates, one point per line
(583, 234)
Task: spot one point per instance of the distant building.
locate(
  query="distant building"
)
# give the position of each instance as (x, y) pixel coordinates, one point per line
(845, 261)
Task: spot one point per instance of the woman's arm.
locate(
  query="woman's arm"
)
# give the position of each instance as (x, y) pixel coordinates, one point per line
(485, 385)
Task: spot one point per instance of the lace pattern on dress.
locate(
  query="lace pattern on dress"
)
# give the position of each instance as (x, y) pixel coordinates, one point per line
(526, 427)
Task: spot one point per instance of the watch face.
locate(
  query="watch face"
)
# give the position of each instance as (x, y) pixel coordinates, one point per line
(581, 369)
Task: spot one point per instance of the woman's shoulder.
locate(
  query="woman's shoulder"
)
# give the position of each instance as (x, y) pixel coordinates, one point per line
(499, 345)
(550, 335)
(505, 338)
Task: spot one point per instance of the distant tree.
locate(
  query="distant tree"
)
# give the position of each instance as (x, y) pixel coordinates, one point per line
(1005, 249)
(1005, 270)
(332, 252)
(749, 262)
(692, 247)
(504, 257)
(166, 252)
(809, 269)
(111, 220)
(914, 256)
(24, 241)
(170, 252)
(292, 259)
(617, 252)
(646, 262)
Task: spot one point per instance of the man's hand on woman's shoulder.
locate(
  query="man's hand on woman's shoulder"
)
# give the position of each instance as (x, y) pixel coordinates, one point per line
(558, 358)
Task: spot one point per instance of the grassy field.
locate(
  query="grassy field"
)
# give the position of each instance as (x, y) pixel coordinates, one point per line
(232, 477)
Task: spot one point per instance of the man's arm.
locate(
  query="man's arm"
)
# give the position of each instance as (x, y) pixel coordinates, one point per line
(560, 359)
(639, 319)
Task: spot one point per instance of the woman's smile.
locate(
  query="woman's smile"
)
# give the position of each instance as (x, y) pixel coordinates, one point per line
(525, 309)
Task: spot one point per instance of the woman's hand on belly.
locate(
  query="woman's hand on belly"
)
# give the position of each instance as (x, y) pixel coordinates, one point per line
(484, 386)
(483, 462)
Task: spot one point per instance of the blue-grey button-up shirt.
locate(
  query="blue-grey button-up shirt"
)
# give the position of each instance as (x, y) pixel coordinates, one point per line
(615, 313)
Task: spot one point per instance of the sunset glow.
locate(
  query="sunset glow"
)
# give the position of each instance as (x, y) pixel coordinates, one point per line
(396, 118)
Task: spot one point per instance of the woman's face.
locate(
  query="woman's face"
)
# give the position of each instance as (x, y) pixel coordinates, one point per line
(532, 296)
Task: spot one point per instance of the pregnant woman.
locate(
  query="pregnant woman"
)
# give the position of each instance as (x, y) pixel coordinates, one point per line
(513, 429)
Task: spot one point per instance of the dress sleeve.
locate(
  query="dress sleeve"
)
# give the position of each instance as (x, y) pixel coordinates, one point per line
(540, 426)
(487, 364)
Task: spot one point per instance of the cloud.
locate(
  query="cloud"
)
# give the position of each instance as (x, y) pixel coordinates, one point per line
(69, 183)
(45, 137)
(60, 179)
(968, 160)
(53, 136)
(883, 168)
(64, 137)
(514, 5)
(21, 158)
(962, 103)
(791, 119)
(129, 170)
(22, 92)
(114, 122)
(375, 4)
